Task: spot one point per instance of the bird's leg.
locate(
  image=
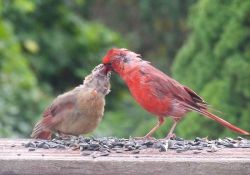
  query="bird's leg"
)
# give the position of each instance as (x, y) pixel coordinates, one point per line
(160, 122)
(170, 133)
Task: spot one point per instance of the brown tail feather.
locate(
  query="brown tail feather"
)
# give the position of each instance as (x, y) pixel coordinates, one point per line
(42, 135)
(39, 132)
(224, 122)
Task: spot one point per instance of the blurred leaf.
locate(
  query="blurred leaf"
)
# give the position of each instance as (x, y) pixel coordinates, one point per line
(215, 61)
(31, 46)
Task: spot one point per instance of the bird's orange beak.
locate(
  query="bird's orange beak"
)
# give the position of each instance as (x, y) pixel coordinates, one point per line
(107, 63)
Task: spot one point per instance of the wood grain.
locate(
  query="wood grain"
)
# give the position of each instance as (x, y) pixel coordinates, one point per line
(15, 159)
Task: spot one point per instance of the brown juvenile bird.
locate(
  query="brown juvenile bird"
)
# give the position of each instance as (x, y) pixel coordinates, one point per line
(78, 111)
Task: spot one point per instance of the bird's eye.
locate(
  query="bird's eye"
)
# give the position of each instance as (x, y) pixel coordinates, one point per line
(124, 58)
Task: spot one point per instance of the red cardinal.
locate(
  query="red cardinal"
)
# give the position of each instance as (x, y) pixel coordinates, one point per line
(78, 111)
(158, 93)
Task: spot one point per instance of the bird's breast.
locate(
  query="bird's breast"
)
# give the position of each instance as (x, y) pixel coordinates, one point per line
(145, 94)
(86, 115)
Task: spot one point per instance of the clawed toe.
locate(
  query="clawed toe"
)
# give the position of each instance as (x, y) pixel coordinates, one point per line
(170, 136)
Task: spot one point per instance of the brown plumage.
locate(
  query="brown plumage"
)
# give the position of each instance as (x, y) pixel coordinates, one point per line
(78, 111)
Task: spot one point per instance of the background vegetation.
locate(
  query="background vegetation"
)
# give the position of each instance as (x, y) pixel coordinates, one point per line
(47, 47)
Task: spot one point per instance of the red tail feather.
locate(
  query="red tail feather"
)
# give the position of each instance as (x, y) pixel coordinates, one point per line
(224, 122)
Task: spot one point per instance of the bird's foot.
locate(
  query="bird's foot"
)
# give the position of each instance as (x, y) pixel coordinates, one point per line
(170, 136)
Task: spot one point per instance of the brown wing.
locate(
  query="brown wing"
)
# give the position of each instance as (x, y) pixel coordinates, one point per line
(50, 116)
(62, 102)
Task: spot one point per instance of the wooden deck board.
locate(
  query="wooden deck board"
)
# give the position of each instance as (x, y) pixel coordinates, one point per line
(18, 160)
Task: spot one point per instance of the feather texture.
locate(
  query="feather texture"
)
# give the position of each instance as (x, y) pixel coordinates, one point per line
(156, 92)
(78, 111)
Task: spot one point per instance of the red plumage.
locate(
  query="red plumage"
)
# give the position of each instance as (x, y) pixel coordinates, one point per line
(156, 92)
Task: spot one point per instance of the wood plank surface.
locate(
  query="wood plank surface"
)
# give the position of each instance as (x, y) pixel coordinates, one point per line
(16, 159)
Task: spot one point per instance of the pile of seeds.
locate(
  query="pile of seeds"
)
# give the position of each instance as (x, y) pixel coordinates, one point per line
(106, 145)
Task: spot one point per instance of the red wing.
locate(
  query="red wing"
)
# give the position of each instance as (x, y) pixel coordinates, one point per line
(165, 86)
(196, 98)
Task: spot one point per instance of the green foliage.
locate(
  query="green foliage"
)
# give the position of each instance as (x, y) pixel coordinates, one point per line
(60, 43)
(45, 48)
(215, 61)
(156, 29)
(21, 97)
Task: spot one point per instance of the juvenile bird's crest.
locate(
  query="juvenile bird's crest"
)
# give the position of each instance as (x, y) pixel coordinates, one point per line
(101, 70)
(99, 79)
